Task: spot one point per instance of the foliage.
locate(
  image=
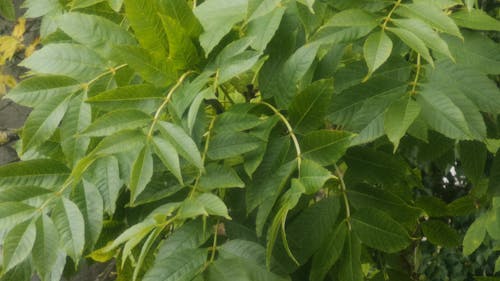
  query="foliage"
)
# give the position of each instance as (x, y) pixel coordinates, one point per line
(253, 139)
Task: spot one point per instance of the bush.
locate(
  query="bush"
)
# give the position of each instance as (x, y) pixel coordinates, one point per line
(256, 140)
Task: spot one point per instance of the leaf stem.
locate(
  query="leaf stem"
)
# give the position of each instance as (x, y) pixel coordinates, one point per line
(214, 244)
(204, 155)
(290, 131)
(343, 189)
(417, 76)
(112, 70)
(388, 17)
(166, 101)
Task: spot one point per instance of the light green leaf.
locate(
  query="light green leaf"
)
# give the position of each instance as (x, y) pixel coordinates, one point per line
(128, 97)
(141, 173)
(349, 268)
(414, 42)
(431, 14)
(377, 49)
(377, 230)
(181, 266)
(325, 146)
(39, 89)
(115, 121)
(116, 5)
(475, 235)
(105, 175)
(145, 21)
(263, 28)
(227, 145)
(90, 203)
(307, 110)
(182, 13)
(43, 121)
(313, 176)
(159, 72)
(182, 142)
(353, 18)
(440, 233)
(476, 19)
(235, 268)
(182, 50)
(399, 117)
(13, 213)
(21, 193)
(78, 4)
(41, 172)
(77, 118)
(75, 61)
(169, 156)
(46, 246)
(217, 18)
(38, 8)
(18, 244)
(423, 31)
(328, 254)
(7, 10)
(219, 176)
(97, 33)
(231, 64)
(71, 227)
(213, 205)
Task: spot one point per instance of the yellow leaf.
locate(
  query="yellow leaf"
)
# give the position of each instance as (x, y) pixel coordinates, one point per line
(32, 47)
(19, 29)
(6, 81)
(8, 47)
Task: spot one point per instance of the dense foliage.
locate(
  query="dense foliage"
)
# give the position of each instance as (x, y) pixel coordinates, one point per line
(257, 140)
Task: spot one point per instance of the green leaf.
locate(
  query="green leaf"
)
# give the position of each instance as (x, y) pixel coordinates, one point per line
(433, 206)
(440, 233)
(141, 173)
(182, 50)
(227, 145)
(219, 176)
(97, 33)
(90, 203)
(398, 119)
(217, 18)
(234, 60)
(71, 227)
(159, 72)
(473, 159)
(145, 21)
(37, 90)
(307, 110)
(77, 118)
(119, 142)
(475, 235)
(476, 19)
(377, 49)
(264, 27)
(313, 176)
(213, 205)
(239, 269)
(7, 10)
(353, 18)
(22, 193)
(183, 143)
(105, 175)
(442, 114)
(128, 97)
(328, 254)
(414, 42)
(78, 4)
(13, 213)
(169, 156)
(116, 5)
(38, 8)
(191, 235)
(377, 230)
(18, 244)
(423, 31)
(431, 14)
(325, 146)
(46, 246)
(40, 172)
(182, 13)
(349, 268)
(115, 121)
(43, 121)
(181, 266)
(75, 61)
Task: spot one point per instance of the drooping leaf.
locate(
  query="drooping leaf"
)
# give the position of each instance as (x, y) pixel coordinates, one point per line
(115, 121)
(313, 176)
(183, 143)
(328, 254)
(213, 205)
(90, 203)
(476, 19)
(440, 233)
(263, 28)
(182, 13)
(168, 155)
(141, 173)
(182, 50)
(377, 230)
(349, 268)
(473, 159)
(414, 42)
(18, 244)
(475, 235)
(398, 119)
(105, 175)
(71, 227)
(46, 246)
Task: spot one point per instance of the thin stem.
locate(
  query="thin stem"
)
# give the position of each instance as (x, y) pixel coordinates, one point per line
(166, 101)
(204, 155)
(417, 76)
(388, 17)
(112, 70)
(290, 131)
(343, 189)
(214, 245)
